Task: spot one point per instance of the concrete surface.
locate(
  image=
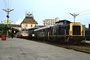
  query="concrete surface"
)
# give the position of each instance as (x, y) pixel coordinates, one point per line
(21, 49)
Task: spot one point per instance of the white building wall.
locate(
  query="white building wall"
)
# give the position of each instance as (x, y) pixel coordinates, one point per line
(27, 26)
(47, 22)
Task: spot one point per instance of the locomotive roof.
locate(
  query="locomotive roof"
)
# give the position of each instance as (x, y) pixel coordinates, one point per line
(64, 21)
(33, 28)
(43, 28)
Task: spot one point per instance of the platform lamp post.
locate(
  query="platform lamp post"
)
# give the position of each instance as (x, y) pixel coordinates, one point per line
(7, 11)
(74, 16)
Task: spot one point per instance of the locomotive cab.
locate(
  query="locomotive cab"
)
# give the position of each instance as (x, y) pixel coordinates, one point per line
(66, 31)
(76, 32)
(75, 29)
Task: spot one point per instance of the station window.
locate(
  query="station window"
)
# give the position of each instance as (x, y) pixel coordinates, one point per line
(31, 25)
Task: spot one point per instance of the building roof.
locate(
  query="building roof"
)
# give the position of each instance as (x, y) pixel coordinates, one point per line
(29, 19)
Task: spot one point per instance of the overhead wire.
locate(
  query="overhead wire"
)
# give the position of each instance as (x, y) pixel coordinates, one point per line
(6, 3)
(84, 12)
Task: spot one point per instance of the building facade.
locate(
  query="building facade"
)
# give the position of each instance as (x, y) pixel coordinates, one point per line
(28, 22)
(47, 22)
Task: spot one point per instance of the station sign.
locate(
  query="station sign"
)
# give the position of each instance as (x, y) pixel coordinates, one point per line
(7, 21)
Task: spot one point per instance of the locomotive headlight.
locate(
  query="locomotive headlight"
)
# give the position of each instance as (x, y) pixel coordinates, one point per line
(14, 31)
(10, 30)
(33, 35)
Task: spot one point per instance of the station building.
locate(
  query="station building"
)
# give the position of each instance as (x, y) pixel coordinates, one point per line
(28, 22)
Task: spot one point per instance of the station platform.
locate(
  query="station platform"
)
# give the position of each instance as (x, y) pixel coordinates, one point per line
(22, 49)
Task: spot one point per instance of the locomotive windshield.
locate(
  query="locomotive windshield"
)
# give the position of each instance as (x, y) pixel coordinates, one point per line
(76, 30)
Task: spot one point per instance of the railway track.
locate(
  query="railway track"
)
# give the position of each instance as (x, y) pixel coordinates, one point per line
(81, 47)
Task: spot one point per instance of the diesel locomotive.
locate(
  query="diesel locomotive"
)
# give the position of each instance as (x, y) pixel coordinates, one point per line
(63, 31)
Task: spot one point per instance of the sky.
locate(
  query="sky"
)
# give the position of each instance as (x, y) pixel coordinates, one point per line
(46, 9)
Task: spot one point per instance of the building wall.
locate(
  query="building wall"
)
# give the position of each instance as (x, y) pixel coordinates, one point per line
(26, 26)
(47, 22)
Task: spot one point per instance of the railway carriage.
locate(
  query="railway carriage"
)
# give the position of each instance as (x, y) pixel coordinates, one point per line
(22, 34)
(42, 33)
(87, 33)
(31, 33)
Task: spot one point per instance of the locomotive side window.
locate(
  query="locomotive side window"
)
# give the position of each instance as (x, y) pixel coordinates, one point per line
(76, 30)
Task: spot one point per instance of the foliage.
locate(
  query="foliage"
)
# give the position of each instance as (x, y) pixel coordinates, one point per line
(4, 28)
(9, 33)
(4, 32)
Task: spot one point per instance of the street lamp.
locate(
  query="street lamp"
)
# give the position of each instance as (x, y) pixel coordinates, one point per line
(74, 16)
(8, 11)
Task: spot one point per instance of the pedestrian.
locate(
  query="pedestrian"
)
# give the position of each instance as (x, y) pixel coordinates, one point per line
(12, 35)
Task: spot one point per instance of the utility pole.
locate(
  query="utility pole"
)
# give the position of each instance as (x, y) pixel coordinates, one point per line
(8, 11)
(74, 16)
